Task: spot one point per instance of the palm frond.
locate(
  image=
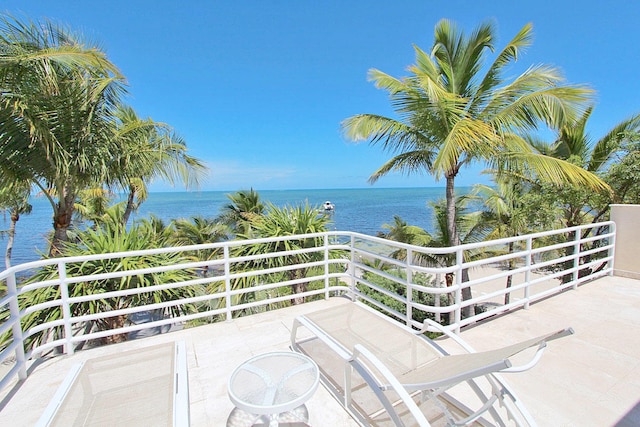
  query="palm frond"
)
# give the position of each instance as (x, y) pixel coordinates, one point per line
(610, 144)
(509, 53)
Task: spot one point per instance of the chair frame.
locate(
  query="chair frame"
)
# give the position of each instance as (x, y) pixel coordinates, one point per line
(379, 378)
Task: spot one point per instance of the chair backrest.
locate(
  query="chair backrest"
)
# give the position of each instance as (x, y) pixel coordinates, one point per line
(398, 347)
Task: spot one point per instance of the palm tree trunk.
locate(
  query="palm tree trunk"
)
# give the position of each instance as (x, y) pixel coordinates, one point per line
(469, 310)
(455, 239)
(61, 223)
(62, 215)
(451, 211)
(129, 208)
(298, 287)
(115, 323)
(15, 216)
(507, 296)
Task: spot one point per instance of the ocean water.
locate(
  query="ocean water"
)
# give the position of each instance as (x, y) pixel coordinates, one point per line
(361, 210)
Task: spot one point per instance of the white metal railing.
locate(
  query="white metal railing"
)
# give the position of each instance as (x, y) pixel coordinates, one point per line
(408, 287)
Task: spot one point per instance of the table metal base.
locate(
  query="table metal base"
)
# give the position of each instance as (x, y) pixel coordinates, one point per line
(297, 417)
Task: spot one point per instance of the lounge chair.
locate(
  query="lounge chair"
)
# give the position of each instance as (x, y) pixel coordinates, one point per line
(385, 373)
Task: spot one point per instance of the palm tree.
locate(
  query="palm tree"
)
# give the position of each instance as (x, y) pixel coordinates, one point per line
(471, 226)
(56, 110)
(15, 200)
(400, 231)
(574, 144)
(109, 237)
(93, 204)
(245, 207)
(508, 215)
(149, 150)
(198, 230)
(285, 221)
(451, 115)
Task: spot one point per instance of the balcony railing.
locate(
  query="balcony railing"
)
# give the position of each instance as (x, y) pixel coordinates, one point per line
(407, 282)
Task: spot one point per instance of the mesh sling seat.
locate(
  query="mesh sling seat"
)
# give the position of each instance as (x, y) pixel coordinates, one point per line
(145, 386)
(385, 373)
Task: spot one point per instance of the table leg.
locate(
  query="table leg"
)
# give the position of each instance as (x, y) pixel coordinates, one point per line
(240, 418)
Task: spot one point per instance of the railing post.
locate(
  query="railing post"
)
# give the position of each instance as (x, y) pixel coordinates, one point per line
(458, 293)
(409, 287)
(352, 268)
(527, 273)
(14, 310)
(66, 310)
(227, 283)
(576, 259)
(436, 297)
(326, 266)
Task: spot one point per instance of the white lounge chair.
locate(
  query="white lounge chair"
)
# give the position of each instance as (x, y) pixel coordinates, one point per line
(385, 373)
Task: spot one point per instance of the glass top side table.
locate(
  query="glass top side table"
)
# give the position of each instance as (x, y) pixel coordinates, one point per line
(273, 383)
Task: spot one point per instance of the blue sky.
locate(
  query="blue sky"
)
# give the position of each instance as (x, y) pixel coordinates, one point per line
(258, 88)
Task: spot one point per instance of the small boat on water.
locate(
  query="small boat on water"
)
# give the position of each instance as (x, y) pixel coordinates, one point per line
(328, 206)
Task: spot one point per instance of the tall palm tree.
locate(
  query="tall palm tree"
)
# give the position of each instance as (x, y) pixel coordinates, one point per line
(149, 150)
(56, 110)
(451, 115)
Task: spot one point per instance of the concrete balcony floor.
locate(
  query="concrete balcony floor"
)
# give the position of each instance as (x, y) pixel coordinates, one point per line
(589, 379)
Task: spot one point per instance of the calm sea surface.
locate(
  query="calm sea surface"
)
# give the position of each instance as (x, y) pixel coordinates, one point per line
(361, 210)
